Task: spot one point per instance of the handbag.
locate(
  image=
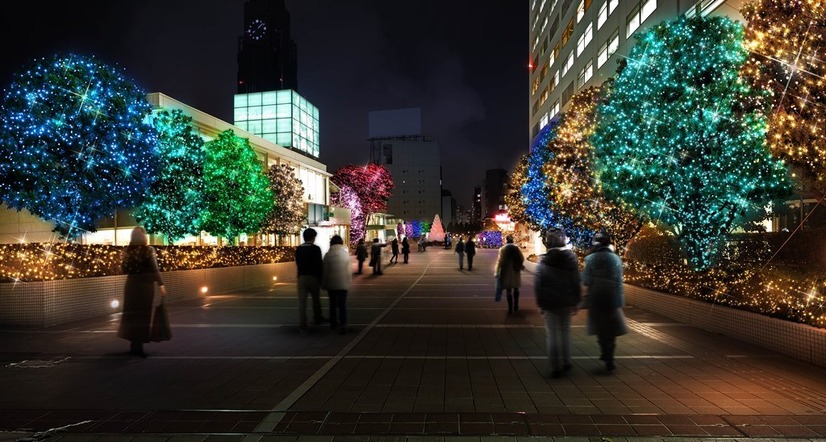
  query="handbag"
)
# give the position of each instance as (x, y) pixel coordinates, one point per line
(160, 330)
(498, 296)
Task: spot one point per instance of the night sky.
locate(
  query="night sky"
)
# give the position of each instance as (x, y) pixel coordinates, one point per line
(463, 62)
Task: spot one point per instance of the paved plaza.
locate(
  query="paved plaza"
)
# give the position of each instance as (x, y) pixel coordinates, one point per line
(429, 356)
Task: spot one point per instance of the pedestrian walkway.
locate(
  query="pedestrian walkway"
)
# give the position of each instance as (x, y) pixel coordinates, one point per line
(430, 356)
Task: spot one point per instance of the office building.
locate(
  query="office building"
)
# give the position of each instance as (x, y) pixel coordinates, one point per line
(414, 162)
(576, 44)
(496, 187)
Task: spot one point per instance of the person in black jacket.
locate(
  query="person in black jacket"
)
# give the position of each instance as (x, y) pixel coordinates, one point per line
(361, 254)
(470, 251)
(405, 249)
(557, 289)
(310, 269)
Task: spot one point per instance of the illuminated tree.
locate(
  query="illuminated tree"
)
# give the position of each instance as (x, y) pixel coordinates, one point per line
(74, 142)
(368, 189)
(288, 213)
(681, 138)
(237, 198)
(572, 188)
(787, 56)
(437, 231)
(173, 202)
(516, 205)
(538, 211)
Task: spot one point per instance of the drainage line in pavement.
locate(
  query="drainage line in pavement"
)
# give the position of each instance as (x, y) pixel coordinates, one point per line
(269, 423)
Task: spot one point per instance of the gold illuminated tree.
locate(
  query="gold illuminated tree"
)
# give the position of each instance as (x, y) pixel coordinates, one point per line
(786, 40)
(573, 190)
(518, 178)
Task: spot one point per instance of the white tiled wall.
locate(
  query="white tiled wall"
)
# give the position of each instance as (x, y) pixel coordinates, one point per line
(799, 341)
(50, 303)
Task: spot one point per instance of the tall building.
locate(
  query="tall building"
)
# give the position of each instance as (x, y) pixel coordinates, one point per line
(448, 213)
(476, 205)
(576, 44)
(496, 187)
(267, 59)
(267, 103)
(414, 162)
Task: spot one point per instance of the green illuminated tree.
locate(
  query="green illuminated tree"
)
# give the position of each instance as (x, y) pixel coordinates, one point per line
(288, 212)
(681, 138)
(237, 197)
(173, 202)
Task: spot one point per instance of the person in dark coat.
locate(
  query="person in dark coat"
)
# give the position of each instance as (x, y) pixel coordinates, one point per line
(394, 249)
(470, 251)
(605, 297)
(509, 269)
(375, 256)
(405, 249)
(460, 250)
(140, 264)
(557, 289)
(310, 266)
(361, 254)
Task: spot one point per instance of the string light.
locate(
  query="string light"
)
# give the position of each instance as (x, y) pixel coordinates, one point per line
(75, 143)
(681, 138)
(287, 215)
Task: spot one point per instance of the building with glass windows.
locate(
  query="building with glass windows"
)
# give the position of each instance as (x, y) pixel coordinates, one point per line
(282, 117)
(576, 44)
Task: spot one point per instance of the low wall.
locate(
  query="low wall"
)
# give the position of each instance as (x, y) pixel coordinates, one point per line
(50, 303)
(799, 341)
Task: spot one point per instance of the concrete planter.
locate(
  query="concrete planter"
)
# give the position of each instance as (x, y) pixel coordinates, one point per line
(50, 303)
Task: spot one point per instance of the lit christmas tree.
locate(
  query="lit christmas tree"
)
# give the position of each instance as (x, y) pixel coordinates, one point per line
(173, 202)
(573, 190)
(75, 143)
(437, 231)
(538, 211)
(786, 40)
(516, 205)
(681, 138)
(288, 214)
(368, 191)
(237, 198)
(348, 198)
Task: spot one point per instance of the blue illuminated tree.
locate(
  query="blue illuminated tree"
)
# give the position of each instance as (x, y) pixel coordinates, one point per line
(681, 138)
(237, 195)
(173, 201)
(74, 142)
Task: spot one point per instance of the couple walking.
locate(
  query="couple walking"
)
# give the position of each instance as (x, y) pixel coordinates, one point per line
(332, 272)
(558, 295)
(465, 248)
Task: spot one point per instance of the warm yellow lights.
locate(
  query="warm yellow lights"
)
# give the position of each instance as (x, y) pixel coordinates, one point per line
(204, 289)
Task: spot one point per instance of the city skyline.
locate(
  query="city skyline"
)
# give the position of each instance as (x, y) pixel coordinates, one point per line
(353, 58)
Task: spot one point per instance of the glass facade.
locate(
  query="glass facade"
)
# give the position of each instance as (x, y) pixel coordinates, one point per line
(282, 117)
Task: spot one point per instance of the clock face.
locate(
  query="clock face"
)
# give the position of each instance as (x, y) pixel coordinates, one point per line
(257, 29)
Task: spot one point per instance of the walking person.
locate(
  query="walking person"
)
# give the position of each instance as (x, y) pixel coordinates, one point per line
(394, 248)
(337, 279)
(405, 249)
(375, 256)
(460, 250)
(557, 289)
(605, 297)
(310, 270)
(470, 251)
(509, 269)
(140, 264)
(361, 254)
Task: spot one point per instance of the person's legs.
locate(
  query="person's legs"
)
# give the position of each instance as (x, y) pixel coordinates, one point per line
(406, 255)
(515, 300)
(361, 265)
(461, 261)
(333, 299)
(315, 292)
(136, 349)
(565, 338)
(509, 296)
(470, 262)
(342, 312)
(606, 345)
(302, 301)
(551, 342)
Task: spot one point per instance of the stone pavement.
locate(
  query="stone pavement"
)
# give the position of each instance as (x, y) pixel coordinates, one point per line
(430, 356)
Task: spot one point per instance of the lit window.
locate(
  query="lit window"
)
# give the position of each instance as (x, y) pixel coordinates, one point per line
(602, 16)
(647, 8)
(555, 108)
(602, 55)
(542, 5)
(556, 78)
(612, 6)
(569, 63)
(580, 11)
(584, 39)
(633, 22)
(586, 73)
(613, 42)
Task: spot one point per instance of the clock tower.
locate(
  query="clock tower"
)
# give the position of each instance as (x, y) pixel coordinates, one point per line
(266, 53)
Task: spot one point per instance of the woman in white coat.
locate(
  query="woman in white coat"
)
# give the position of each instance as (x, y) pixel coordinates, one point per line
(336, 279)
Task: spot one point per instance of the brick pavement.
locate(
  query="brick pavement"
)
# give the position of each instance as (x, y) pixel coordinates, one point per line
(430, 356)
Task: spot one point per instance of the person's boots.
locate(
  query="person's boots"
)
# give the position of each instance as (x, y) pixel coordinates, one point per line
(510, 303)
(516, 300)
